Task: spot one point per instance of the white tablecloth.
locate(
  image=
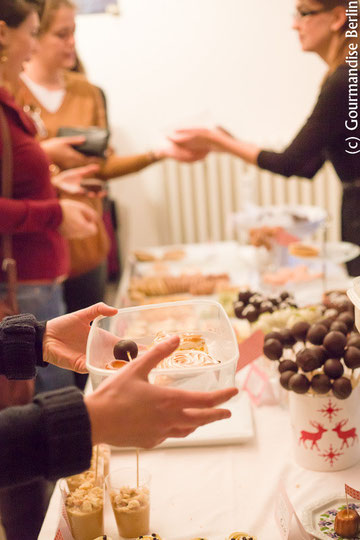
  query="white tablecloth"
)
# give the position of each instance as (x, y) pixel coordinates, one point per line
(213, 491)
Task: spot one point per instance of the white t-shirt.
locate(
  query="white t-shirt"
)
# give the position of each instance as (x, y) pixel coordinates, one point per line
(51, 100)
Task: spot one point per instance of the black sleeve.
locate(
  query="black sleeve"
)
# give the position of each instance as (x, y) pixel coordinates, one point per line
(306, 154)
(48, 438)
(21, 350)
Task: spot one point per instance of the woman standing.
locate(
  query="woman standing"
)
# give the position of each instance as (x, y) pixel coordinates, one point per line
(331, 133)
(64, 98)
(37, 223)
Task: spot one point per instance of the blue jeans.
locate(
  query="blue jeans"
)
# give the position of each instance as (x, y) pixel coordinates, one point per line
(44, 302)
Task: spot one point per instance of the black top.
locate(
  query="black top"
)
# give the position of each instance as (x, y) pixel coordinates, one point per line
(323, 137)
(51, 437)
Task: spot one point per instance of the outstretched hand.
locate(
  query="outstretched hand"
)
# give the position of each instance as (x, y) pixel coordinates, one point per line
(126, 410)
(65, 338)
(180, 153)
(70, 181)
(198, 139)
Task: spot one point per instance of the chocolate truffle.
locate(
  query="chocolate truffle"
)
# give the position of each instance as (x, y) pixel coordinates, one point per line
(250, 313)
(321, 384)
(333, 368)
(300, 330)
(352, 358)
(284, 295)
(238, 309)
(124, 348)
(299, 383)
(244, 296)
(353, 341)
(285, 379)
(342, 388)
(273, 349)
(307, 360)
(316, 334)
(266, 307)
(347, 523)
(339, 326)
(287, 338)
(348, 319)
(273, 335)
(334, 343)
(288, 365)
(255, 300)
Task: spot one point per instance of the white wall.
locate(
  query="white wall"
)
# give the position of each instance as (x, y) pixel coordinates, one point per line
(164, 61)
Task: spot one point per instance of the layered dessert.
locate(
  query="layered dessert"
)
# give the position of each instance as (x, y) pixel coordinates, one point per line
(186, 359)
(241, 536)
(131, 508)
(84, 508)
(188, 340)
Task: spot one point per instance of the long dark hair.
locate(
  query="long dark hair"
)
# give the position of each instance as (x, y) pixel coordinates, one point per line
(14, 12)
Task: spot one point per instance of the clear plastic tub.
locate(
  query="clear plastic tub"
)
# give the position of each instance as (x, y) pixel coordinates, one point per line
(142, 323)
(354, 295)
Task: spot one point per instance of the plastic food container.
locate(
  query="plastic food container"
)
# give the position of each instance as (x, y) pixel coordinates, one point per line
(142, 323)
(354, 295)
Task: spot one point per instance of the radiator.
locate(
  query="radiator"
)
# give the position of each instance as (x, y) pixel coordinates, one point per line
(200, 197)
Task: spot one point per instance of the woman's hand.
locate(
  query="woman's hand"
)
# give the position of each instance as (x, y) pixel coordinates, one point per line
(65, 337)
(198, 139)
(180, 153)
(61, 152)
(69, 181)
(79, 220)
(126, 410)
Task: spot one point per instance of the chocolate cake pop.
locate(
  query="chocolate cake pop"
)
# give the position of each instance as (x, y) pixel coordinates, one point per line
(334, 343)
(273, 349)
(300, 330)
(339, 326)
(316, 334)
(250, 313)
(348, 319)
(307, 360)
(347, 523)
(333, 368)
(125, 349)
(238, 309)
(266, 307)
(352, 358)
(342, 388)
(321, 353)
(255, 300)
(285, 379)
(287, 338)
(321, 383)
(353, 341)
(273, 335)
(288, 365)
(299, 383)
(244, 296)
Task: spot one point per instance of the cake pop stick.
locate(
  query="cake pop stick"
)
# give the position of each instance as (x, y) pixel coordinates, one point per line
(137, 467)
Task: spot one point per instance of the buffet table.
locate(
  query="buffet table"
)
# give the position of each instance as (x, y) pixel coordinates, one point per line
(214, 489)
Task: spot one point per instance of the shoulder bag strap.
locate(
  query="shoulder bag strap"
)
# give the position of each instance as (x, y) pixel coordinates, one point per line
(8, 263)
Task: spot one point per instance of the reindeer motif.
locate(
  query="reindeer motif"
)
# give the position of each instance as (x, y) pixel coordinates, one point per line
(313, 437)
(345, 435)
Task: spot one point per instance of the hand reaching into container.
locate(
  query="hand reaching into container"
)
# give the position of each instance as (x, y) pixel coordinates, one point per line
(126, 410)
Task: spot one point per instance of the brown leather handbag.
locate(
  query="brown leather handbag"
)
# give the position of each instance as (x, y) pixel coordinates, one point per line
(11, 392)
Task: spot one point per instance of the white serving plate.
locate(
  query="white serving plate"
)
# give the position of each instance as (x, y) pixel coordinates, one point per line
(311, 516)
(336, 252)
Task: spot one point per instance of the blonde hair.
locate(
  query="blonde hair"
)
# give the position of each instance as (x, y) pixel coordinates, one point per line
(50, 8)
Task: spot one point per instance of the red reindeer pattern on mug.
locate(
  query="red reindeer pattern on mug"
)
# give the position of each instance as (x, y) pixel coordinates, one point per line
(313, 437)
(345, 435)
